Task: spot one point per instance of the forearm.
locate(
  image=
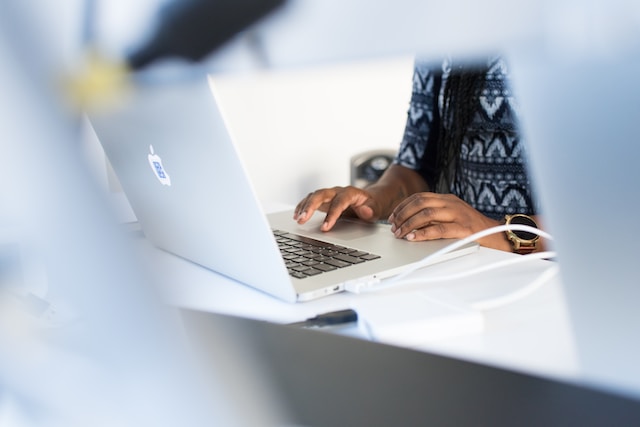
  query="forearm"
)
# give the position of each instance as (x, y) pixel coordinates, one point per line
(395, 185)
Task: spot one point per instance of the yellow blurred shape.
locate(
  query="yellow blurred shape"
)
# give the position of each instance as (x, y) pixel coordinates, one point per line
(100, 83)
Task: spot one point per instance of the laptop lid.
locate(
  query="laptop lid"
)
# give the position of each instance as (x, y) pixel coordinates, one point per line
(329, 379)
(181, 172)
(178, 167)
(582, 118)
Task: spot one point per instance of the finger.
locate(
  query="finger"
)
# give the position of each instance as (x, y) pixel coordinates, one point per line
(341, 202)
(313, 202)
(418, 216)
(422, 218)
(442, 230)
(300, 207)
(365, 212)
(400, 206)
(302, 211)
(412, 204)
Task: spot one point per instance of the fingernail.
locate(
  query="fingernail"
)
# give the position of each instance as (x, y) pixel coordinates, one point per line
(393, 228)
(390, 219)
(410, 236)
(397, 233)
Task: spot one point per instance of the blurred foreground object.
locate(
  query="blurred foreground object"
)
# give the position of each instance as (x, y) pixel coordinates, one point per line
(192, 29)
(99, 82)
(189, 30)
(122, 361)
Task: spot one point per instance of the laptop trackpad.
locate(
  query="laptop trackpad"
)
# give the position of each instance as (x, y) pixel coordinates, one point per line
(350, 229)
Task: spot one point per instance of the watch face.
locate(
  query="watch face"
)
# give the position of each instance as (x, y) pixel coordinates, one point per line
(523, 220)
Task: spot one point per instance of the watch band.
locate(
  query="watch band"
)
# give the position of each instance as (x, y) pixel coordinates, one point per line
(521, 249)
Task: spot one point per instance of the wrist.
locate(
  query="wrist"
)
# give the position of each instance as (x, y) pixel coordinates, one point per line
(385, 198)
(497, 241)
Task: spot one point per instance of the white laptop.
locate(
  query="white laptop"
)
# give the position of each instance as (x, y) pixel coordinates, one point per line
(181, 172)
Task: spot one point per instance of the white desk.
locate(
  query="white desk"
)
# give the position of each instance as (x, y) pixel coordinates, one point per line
(530, 335)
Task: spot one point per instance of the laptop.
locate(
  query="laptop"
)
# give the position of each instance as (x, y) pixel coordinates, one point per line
(179, 168)
(589, 192)
(328, 379)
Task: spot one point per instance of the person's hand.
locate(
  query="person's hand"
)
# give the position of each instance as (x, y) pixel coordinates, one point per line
(430, 216)
(336, 201)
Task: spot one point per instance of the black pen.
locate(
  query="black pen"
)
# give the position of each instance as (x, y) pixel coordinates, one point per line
(332, 318)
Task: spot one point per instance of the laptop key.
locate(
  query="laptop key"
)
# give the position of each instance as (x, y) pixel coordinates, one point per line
(325, 267)
(297, 274)
(348, 258)
(337, 263)
(312, 272)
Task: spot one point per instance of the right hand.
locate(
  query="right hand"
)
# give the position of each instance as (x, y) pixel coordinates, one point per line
(335, 201)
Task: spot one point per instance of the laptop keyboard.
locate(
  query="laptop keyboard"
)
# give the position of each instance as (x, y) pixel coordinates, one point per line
(305, 257)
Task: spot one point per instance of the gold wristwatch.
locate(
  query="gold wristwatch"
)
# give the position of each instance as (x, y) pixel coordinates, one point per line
(523, 242)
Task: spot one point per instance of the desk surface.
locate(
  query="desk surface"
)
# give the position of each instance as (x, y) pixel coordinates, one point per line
(531, 335)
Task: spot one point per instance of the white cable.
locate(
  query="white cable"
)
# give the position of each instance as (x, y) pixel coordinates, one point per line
(482, 305)
(466, 273)
(462, 242)
(493, 303)
(359, 287)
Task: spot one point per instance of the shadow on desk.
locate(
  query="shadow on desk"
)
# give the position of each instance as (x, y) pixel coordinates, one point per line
(331, 380)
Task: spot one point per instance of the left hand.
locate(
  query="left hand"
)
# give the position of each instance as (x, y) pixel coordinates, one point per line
(430, 216)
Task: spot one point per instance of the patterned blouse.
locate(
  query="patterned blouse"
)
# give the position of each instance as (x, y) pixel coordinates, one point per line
(492, 176)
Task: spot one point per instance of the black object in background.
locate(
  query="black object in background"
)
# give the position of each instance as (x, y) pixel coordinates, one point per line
(192, 29)
(333, 318)
(368, 166)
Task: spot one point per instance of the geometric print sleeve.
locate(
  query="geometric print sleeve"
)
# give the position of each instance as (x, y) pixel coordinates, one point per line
(417, 149)
(492, 165)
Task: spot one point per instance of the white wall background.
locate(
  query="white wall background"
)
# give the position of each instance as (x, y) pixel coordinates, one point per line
(297, 129)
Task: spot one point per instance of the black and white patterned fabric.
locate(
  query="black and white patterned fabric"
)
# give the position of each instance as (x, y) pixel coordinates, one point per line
(492, 176)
